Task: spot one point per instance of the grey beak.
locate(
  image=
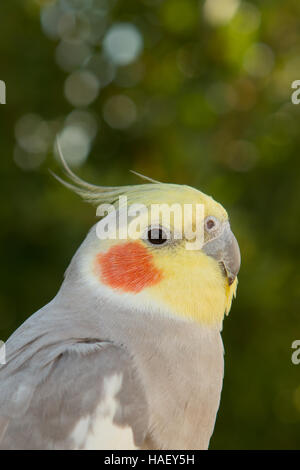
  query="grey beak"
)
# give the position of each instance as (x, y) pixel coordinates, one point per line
(225, 249)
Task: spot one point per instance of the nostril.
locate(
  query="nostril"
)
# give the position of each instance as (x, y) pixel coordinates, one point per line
(210, 224)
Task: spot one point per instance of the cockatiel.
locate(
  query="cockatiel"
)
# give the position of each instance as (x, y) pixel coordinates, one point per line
(128, 355)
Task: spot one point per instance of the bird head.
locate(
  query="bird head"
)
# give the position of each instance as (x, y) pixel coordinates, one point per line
(160, 267)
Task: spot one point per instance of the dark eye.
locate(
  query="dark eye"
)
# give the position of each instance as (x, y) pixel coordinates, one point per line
(157, 236)
(211, 223)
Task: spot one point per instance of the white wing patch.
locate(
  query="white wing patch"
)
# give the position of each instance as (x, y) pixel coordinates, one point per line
(98, 431)
(80, 432)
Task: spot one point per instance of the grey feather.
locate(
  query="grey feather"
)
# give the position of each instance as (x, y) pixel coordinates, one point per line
(172, 371)
(46, 393)
(3, 426)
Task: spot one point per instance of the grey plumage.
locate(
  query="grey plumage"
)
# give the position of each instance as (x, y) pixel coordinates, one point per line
(58, 361)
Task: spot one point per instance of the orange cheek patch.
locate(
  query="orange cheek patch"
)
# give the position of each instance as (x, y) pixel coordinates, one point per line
(128, 266)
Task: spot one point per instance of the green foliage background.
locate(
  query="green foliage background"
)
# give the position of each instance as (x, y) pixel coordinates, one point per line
(214, 111)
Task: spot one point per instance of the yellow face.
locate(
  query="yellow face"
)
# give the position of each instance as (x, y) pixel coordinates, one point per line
(158, 268)
(193, 285)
